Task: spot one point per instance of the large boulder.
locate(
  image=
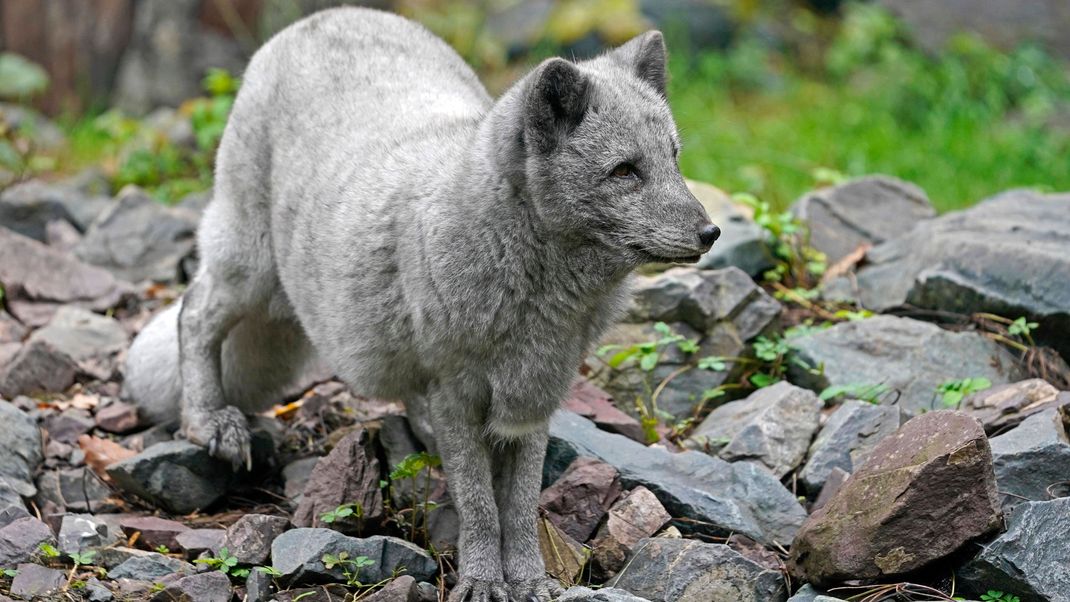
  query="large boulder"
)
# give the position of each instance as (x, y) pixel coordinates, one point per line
(139, 239)
(923, 493)
(743, 244)
(850, 433)
(772, 427)
(298, 555)
(862, 212)
(1030, 560)
(910, 357)
(29, 207)
(682, 570)
(1033, 457)
(1006, 255)
(723, 497)
(93, 341)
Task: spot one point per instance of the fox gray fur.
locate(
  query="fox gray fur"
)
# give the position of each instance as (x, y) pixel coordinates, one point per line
(374, 208)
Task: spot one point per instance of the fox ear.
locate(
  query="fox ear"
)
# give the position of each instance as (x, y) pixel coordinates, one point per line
(556, 103)
(646, 55)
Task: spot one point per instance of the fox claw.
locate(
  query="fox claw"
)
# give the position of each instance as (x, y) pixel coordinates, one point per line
(225, 432)
(477, 590)
(535, 590)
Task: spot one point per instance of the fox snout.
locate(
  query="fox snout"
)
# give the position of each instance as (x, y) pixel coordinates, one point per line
(708, 235)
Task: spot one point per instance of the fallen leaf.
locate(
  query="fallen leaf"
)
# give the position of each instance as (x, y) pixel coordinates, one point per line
(564, 557)
(102, 453)
(845, 265)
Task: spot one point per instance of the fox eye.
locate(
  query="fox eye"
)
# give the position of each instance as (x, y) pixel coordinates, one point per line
(624, 170)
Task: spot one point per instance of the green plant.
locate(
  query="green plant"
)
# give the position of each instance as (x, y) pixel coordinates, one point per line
(868, 392)
(162, 549)
(270, 571)
(83, 558)
(993, 595)
(798, 264)
(952, 392)
(410, 468)
(20, 78)
(48, 551)
(224, 563)
(9, 573)
(341, 512)
(350, 566)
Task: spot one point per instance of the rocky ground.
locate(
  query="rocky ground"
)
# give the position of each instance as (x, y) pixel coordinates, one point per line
(707, 454)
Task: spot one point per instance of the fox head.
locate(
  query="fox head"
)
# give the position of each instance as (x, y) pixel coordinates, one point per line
(596, 149)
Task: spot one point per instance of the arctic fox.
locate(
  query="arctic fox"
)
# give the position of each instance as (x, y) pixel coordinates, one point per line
(376, 209)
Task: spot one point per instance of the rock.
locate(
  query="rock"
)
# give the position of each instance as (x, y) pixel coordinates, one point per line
(37, 367)
(862, 212)
(298, 555)
(1030, 560)
(578, 500)
(80, 532)
(177, 476)
(908, 356)
(249, 539)
(772, 427)
(117, 417)
(149, 567)
(1032, 457)
(11, 506)
(258, 587)
(62, 236)
(923, 493)
(332, 592)
(400, 589)
(636, 516)
(37, 280)
(75, 490)
(1005, 255)
(153, 531)
(1005, 406)
(112, 556)
(139, 239)
(20, 539)
(596, 405)
(21, 449)
(34, 581)
(738, 497)
(743, 244)
(92, 341)
(807, 593)
(296, 474)
(562, 555)
(67, 426)
(845, 441)
(347, 475)
(28, 207)
(96, 592)
(603, 594)
(835, 480)
(212, 586)
(682, 570)
(194, 542)
(11, 330)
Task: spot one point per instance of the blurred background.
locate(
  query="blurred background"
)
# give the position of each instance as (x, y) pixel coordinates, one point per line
(966, 98)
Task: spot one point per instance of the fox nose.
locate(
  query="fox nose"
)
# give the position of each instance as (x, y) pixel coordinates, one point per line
(708, 234)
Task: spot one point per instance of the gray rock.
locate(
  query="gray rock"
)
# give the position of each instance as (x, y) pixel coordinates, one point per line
(579, 593)
(401, 589)
(29, 207)
(62, 236)
(739, 497)
(80, 532)
(908, 356)
(75, 490)
(577, 501)
(772, 427)
(20, 539)
(66, 426)
(249, 539)
(1005, 255)
(295, 475)
(194, 542)
(845, 441)
(117, 417)
(12, 507)
(35, 582)
(1004, 406)
(11, 330)
(682, 570)
(211, 586)
(863, 211)
(258, 587)
(636, 516)
(1030, 560)
(21, 449)
(1032, 457)
(177, 476)
(96, 592)
(348, 474)
(743, 244)
(298, 555)
(38, 279)
(91, 340)
(153, 531)
(149, 567)
(807, 593)
(140, 239)
(37, 367)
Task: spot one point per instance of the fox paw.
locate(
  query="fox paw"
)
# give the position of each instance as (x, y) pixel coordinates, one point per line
(543, 589)
(225, 432)
(477, 590)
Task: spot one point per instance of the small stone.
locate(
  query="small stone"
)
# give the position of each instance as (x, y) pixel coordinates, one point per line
(331, 592)
(670, 570)
(28, 207)
(596, 405)
(258, 587)
(153, 531)
(117, 417)
(1033, 457)
(211, 586)
(579, 593)
(11, 330)
(846, 440)
(75, 490)
(20, 540)
(295, 475)
(34, 581)
(178, 476)
(91, 340)
(149, 567)
(80, 532)
(398, 590)
(37, 367)
(195, 542)
(1005, 406)
(21, 449)
(298, 555)
(578, 500)
(636, 516)
(249, 539)
(807, 593)
(68, 425)
(96, 592)
(348, 475)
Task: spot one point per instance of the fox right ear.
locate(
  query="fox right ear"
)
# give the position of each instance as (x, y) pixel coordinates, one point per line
(556, 103)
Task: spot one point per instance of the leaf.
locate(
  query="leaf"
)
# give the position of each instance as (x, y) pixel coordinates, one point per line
(564, 557)
(714, 363)
(648, 361)
(620, 357)
(19, 77)
(761, 380)
(663, 329)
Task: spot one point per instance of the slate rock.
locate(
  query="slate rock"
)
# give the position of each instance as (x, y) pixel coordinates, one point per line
(178, 476)
(808, 593)
(75, 490)
(91, 340)
(38, 279)
(682, 570)
(1030, 560)
(96, 592)
(258, 587)
(211, 586)
(34, 581)
(68, 425)
(153, 531)
(845, 441)
(11, 330)
(772, 427)
(578, 593)
(298, 555)
(332, 592)
(401, 589)
(743, 244)
(596, 405)
(37, 367)
(20, 446)
(578, 500)
(295, 476)
(117, 417)
(249, 539)
(1032, 457)
(80, 532)
(149, 567)
(863, 211)
(1004, 406)
(636, 516)
(28, 207)
(194, 542)
(739, 497)
(921, 495)
(20, 539)
(140, 239)
(908, 356)
(348, 474)
(1006, 255)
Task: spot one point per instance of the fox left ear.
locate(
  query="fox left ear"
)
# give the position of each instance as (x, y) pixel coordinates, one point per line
(646, 55)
